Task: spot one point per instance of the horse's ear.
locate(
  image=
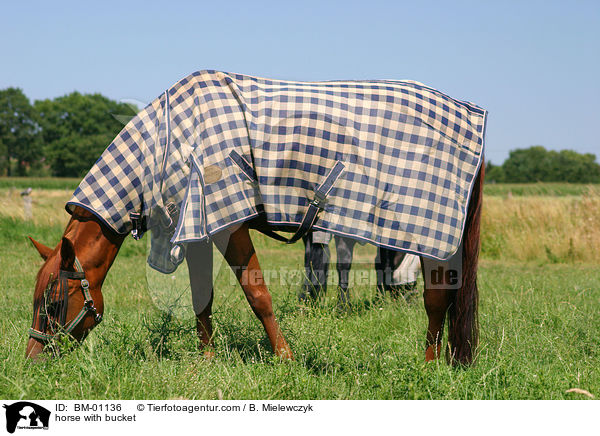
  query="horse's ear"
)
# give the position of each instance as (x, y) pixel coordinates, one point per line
(44, 251)
(67, 254)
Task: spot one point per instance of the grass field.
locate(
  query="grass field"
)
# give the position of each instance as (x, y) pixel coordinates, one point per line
(495, 189)
(539, 321)
(39, 182)
(538, 189)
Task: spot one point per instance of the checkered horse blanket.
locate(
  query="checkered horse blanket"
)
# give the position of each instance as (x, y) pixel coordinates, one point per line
(392, 162)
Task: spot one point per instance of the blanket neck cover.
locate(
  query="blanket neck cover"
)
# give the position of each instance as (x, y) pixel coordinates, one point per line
(408, 153)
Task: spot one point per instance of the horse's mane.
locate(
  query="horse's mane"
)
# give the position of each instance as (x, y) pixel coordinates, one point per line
(81, 215)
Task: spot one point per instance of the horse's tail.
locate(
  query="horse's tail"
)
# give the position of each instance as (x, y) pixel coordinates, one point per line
(463, 324)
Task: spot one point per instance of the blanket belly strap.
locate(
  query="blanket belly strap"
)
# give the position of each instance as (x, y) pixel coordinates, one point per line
(314, 207)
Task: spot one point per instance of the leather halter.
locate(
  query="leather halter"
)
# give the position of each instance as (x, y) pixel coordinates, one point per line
(88, 305)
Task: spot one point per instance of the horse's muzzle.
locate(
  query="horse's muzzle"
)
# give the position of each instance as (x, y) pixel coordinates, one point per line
(34, 349)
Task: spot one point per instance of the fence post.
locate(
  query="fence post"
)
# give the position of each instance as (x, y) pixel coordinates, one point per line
(27, 209)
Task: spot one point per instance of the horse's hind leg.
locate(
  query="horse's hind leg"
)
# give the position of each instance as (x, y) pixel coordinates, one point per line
(316, 265)
(242, 258)
(344, 248)
(386, 262)
(437, 301)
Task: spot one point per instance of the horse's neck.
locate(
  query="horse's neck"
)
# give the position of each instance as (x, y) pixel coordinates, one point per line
(96, 246)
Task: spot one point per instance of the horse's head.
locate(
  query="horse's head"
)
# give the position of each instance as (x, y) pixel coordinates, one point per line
(67, 299)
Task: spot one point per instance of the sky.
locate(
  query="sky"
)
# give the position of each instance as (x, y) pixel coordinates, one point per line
(534, 65)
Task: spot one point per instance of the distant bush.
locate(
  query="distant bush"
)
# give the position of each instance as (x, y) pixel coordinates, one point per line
(61, 137)
(76, 128)
(20, 138)
(536, 164)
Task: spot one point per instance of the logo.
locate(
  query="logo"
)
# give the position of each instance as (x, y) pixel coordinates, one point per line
(444, 275)
(26, 415)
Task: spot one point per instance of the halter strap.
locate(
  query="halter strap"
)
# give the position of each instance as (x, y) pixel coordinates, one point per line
(88, 304)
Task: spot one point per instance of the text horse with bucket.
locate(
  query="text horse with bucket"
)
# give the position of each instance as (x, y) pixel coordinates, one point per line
(393, 163)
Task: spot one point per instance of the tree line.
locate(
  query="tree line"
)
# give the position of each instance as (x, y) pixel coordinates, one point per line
(61, 137)
(536, 164)
(64, 136)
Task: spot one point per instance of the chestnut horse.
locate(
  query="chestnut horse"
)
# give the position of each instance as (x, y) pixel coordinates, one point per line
(68, 296)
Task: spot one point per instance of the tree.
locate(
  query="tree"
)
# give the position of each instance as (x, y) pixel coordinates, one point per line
(577, 168)
(536, 164)
(527, 165)
(19, 132)
(3, 156)
(494, 173)
(76, 129)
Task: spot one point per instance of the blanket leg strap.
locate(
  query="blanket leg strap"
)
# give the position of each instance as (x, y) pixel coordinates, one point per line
(316, 205)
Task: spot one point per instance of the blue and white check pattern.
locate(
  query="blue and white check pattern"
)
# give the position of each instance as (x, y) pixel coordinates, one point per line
(410, 156)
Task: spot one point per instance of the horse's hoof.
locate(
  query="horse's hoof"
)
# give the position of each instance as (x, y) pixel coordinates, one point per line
(285, 354)
(209, 355)
(343, 308)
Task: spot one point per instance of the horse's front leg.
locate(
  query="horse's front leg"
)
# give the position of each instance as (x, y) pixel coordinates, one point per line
(242, 258)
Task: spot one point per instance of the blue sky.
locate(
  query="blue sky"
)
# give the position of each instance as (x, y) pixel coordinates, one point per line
(535, 65)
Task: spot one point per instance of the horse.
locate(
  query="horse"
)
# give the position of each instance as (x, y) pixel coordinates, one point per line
(68, 297)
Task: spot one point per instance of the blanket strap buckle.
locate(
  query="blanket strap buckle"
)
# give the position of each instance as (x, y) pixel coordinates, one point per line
(138, 223)
(316, 205)
(319, 199)
(318, 202)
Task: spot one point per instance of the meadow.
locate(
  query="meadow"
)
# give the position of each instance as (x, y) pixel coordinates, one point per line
(539, 314)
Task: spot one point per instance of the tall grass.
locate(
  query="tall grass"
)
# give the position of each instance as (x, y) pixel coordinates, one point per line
(48, 205)
(539, 320)
(515, 228)
(548, 229)
(539, 330)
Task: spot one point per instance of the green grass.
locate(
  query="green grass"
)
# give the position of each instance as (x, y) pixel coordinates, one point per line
(40, 182)
(538, 189)
(539, 337)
